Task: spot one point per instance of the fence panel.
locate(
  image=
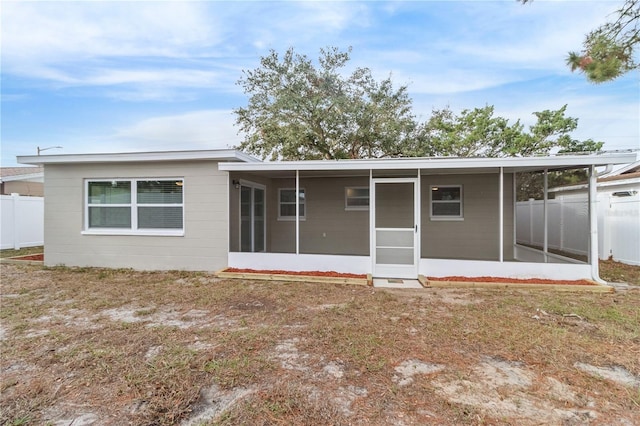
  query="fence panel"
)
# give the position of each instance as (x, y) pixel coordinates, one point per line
(623, 223)
(21, 221)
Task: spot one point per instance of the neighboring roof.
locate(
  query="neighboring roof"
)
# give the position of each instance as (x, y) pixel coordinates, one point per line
(629, 168)
(8, 174)
(126, 157)
(450, 164)
(624, 176)
(629, 174)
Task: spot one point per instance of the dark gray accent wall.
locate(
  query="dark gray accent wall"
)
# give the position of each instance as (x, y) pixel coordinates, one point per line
(476, 235)
(328, 228)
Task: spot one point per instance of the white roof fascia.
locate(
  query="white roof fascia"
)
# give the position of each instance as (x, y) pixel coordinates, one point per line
(224, 155)
(514, 163)
(38, 177)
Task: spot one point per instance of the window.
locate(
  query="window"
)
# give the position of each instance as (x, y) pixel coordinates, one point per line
(356, 198)
(446, 202)
(287, 204)
(135, 206)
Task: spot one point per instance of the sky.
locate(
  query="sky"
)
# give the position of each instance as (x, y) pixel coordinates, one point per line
(123, 76)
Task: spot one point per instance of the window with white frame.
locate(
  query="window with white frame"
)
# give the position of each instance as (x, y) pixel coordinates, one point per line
(287, 203)
(356, 198)
(446, 202)
(143, 206)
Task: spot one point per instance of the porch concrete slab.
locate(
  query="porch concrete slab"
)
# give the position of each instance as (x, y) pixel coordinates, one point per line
(396, 283)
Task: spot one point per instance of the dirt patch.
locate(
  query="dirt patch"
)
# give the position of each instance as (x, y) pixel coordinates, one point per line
(502, 388)
(167, 317)
(407, 369)
(289, 356)
(614, 373)
(213, 402)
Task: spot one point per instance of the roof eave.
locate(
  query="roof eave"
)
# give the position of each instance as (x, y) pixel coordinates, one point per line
(229, 155)
(28, 177)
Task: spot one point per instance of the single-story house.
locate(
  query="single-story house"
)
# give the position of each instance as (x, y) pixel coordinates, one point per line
(22, 180)
(211, 209)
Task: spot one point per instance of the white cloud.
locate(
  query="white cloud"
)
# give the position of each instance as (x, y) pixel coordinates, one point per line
(469, 46)
(107, 43)
(206, 129)
(44, 32)
(89, 43)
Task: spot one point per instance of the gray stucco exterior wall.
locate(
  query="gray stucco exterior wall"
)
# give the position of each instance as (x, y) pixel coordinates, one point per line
(476, 236)
(205, 242)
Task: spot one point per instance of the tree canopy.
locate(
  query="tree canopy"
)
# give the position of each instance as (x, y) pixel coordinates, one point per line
(478, 133)
(609, 51)
(300, 111)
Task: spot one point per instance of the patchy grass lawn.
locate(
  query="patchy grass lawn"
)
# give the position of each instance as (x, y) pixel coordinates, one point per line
(124, 347)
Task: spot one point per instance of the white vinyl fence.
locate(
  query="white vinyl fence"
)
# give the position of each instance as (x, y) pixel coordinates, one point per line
(619, 228)
(568, 225)
(22, 221)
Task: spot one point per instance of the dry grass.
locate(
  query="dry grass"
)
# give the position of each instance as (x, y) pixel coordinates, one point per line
(21, 252)
(616, 272)
(125, 347)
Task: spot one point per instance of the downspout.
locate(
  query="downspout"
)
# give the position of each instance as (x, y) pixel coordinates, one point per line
(372, 204)
(593, 222)
(418, 220)
(545, 215)
(514, 200)
(297, 198)
(501, 215)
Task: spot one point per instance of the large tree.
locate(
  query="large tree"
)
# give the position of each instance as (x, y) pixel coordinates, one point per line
(478, 133)
(298, 110)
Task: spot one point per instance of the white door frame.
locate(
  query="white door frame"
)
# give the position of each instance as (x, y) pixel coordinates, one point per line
(393, 270)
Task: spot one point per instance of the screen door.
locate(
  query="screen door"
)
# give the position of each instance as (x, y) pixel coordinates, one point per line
(395, 233)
